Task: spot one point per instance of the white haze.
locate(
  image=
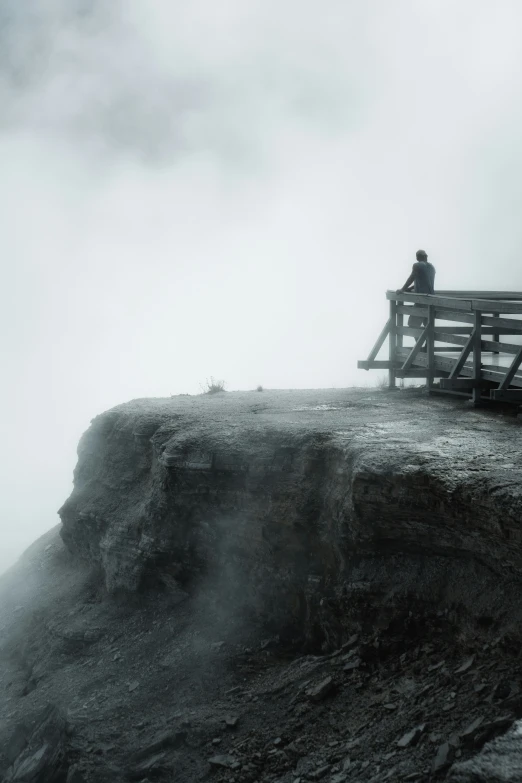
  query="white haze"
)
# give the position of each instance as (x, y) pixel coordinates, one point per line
(227, 189)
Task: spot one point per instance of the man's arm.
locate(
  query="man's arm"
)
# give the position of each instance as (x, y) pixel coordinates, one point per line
(409, 282)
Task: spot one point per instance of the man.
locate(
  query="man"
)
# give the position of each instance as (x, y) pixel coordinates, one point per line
(421, 281)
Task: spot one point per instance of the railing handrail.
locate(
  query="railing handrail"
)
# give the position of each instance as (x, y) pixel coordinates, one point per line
(466, 372)
(467, 300)
(507, 295)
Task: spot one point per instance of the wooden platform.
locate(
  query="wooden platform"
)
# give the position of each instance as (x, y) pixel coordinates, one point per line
(469, 344)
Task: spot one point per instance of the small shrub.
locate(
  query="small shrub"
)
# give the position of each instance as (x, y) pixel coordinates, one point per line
(213, 386)
(259, 388)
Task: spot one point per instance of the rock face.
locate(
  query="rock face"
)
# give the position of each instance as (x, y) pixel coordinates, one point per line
(280, 498)
(377, 533)
(36, 749)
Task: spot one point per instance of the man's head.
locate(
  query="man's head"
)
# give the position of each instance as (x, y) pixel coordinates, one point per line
(421, 255)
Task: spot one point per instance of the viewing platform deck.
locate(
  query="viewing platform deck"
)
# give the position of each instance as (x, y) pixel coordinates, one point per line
(469, 343)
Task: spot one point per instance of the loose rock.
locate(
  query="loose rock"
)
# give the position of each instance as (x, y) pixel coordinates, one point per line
(442, 758)
(322, 690)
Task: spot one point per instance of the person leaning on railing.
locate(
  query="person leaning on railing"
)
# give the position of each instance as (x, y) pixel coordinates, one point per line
(421, 281)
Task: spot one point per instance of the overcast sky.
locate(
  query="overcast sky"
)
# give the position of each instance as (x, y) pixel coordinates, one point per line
(227, 189)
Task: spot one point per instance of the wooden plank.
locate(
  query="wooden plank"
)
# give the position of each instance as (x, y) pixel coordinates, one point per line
(454, 315)
(489, 372)
(498, 330)
(465, 383)
(430, 343)
(409, 331)
(399, 326)
(487, 345)
(435, 390)
(375, 365)
(459, 364)
(514, 295)
(413, 332)
(495, 306)
(454, 329)
(495, 336)
(510, 374)
(497, 369)
(450, 338)
(507, 395)
(416, 372)
(427, 299)
(503, 323)
(380, 340)
(447, 348)
(405, 310)
(476, 336)
(498, 347)
(460, 383)
(416, 348)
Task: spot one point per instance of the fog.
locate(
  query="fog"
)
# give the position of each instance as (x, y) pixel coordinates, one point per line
(228, 189)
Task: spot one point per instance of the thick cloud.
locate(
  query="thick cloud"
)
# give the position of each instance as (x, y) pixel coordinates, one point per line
(227, 189)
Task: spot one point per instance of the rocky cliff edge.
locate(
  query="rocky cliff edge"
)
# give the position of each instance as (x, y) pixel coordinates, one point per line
(268, 587)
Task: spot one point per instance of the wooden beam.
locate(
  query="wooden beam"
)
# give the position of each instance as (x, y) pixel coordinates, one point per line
(375, 365)
(412, 332)
(453, 393)
(489, 372)
(447, 348)
(477, 354)
(487, 345)
(392, 343)
(459, 383)
(380, 340)
(489, 325)
(498, 347)
(509, 295)
(417, 372)
(430, 344)
(507, 395)
(399, 326)
(427, 299)
(496, 335)
(503, 323)
(405, 310)
(459, 364)
(450, 338)
(416, 348)
(510, 374)
(454, 315)
(466, 383)
(496, 306)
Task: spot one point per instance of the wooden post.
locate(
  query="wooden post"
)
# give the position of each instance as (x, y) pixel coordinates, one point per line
(430, 344)
(496, 335)
(392, 338)
(400, 337)
(477, 355)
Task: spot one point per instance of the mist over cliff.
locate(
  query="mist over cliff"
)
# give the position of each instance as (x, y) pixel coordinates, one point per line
(196, 191)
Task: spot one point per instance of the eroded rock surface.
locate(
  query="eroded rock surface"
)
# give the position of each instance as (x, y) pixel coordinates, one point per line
(279, 496)
(270, 587)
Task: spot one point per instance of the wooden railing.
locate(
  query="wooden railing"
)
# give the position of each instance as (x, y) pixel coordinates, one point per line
(483, 366)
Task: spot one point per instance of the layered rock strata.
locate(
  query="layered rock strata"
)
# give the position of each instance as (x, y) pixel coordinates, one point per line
(304, 507)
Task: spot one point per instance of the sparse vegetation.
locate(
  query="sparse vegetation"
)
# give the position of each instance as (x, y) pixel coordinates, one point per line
(213, 386)
(382, 382)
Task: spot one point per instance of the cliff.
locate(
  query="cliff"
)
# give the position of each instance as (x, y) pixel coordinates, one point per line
(263, 587)
(277, 497)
